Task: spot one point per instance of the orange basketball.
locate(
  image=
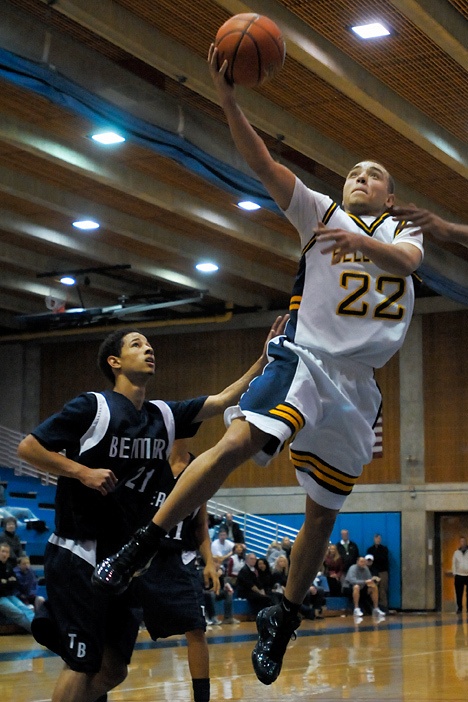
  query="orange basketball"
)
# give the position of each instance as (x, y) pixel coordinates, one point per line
(253, 46)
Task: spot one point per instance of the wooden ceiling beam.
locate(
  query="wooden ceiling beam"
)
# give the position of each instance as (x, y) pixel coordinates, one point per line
(441, 23)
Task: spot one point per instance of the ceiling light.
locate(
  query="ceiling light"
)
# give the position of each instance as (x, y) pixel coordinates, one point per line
(86, 224)
(206, 267)
(369, 31)
(248, 205)
(67, 280)
(108, 138)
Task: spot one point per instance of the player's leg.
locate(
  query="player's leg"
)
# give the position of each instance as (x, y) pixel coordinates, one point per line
(309, 550)
(277, 624)
(199, 664)
(74, 686)
(458, 581)
(198, 483)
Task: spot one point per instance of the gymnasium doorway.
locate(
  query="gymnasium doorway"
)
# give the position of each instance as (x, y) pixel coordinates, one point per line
(448, 529)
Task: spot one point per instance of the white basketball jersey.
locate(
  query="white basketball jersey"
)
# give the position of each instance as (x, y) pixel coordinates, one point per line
(352, 308)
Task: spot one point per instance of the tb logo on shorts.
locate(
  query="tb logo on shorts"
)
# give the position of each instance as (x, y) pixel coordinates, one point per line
(78, 647)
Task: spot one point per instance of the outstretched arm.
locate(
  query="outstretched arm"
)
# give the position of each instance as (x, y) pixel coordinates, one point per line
(430, 223)
(216, 404)
(399, 259)
(277, 179)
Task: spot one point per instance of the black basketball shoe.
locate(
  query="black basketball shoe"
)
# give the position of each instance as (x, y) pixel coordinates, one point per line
(275, 630)
(115, 573)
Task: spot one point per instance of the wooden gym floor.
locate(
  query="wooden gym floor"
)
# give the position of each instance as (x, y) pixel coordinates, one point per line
(408, 657)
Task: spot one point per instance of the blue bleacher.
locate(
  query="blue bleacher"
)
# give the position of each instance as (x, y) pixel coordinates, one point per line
(30, 493)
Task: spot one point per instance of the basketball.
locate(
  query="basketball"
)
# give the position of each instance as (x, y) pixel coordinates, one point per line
(254, 48)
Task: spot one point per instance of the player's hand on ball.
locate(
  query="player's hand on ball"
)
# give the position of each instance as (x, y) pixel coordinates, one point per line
(218, 76)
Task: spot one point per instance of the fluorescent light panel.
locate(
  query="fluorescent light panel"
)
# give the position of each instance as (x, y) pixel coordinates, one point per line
(86, 224)
(248, 205)
(369, 31)
(108, 138)
(206, 267)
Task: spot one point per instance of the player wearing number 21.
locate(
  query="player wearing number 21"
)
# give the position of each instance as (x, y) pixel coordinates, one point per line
(350, 309)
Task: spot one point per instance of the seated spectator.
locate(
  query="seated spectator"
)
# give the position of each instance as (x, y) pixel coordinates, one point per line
(333, 568)
(234, 532)
(26, 583)
(358, 583)
(235, 563)
(10, 537)
(314, 601)
(249, 585)
(286, 545)
(273, 551)
(265, 577)
(280, 574)
(225, 594)
(222, 548)
(370, 564)
(13, 610)
(322, 582)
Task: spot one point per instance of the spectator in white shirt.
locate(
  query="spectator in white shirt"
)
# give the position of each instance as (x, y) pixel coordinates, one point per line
(460, 571)
(222, 548)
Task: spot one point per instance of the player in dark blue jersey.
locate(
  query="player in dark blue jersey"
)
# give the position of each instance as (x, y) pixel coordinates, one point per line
(171, 591)
(108, 439)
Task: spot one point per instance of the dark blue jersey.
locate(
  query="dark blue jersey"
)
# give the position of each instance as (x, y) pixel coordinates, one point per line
(141, 496)
(105, 430)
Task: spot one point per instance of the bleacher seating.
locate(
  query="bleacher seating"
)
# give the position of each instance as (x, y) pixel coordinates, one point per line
(30, 494)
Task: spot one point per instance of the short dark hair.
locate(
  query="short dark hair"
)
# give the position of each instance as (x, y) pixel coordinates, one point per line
(390, 180)
(112, 346)
(391, 184)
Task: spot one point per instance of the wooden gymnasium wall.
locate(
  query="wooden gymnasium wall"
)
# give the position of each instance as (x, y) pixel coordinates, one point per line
(197, 363)
(446, 396)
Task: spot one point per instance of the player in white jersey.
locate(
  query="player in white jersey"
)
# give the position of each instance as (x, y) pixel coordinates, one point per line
(350, 309)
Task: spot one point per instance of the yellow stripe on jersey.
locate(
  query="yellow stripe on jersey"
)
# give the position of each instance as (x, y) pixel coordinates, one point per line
(309, 245)
(399, 228)
(323, 473)
(329, 212)
(290, 414)
(295, 302)
(369, 230)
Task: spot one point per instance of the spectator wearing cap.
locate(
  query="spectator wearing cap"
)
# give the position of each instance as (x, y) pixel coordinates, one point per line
(371, 565)
(381, 564)
(359, 583)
